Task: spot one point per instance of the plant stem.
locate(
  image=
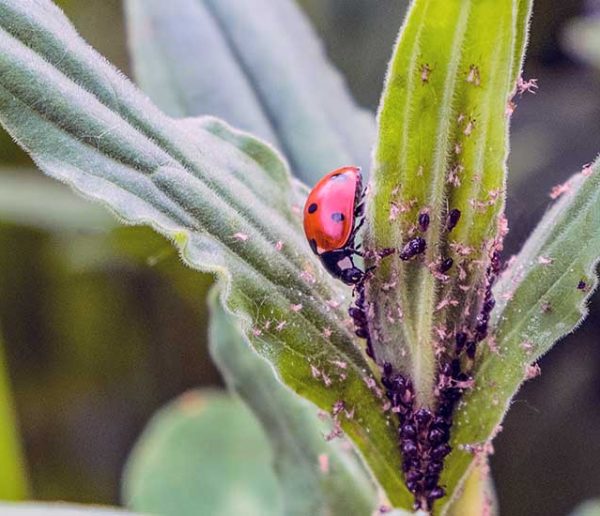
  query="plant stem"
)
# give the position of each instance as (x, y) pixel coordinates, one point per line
(13, 476)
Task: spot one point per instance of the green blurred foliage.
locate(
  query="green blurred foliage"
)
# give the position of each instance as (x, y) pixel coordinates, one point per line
(98, 339)
(13, 476)
(173, 473)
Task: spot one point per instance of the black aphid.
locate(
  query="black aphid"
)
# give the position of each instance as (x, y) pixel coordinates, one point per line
(424, 221)
(413, 248)
(446, 264)
(452, 219)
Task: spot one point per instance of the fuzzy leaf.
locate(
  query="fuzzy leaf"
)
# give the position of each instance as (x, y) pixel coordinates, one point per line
(442, 146)
(538, 303)
(202, 454)
(477, 495)
(224, 197)
(316, 477)
(258, 65)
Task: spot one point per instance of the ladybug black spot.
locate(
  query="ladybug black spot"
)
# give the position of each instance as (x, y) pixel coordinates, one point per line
(337, 217)
(312, 208)
(313, 245)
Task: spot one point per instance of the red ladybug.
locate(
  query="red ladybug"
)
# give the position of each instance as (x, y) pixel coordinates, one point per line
(332, 216)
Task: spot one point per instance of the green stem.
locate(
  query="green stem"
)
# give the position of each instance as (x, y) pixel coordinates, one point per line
(13, 476)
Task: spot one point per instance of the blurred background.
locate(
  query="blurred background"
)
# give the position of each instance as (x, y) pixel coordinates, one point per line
(102, 325)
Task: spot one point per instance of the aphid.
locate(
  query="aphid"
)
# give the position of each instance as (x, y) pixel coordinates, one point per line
(461, 341)
(413, 248)
(471, 350)
(446, 264)
(452, 219)
(495, 263)
(425, 73)
(489, 303)
(423, 416)
(423, 221)
(582, 285)
(474, 76)
(436, 493)
(332, 217)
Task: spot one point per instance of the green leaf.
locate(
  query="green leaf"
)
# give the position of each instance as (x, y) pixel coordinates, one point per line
(443, 127)
(582, 39)
(317, 477)
(259, 66)
(224, 197)
(58, 509)
(203, 454)
(442, 145)
(477, 495)
(13, 477)
(538, 303)
(588, 508)
(34, 201)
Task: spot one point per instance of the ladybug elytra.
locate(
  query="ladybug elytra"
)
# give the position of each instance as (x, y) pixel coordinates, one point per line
(332, 216)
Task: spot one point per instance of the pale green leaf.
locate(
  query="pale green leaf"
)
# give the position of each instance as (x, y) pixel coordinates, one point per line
(202, 454)
(58, 509)
(538, 303)
(477, 495)
(588, 508)
(582, 39)
(224, 197)
(30, 200)
(317, 477)
(258, 65)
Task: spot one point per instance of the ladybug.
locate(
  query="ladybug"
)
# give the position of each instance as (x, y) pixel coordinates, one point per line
(333, 214)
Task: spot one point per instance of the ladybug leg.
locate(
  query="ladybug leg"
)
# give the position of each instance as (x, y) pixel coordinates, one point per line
(355, 251)
(362, 194)
(357, 227)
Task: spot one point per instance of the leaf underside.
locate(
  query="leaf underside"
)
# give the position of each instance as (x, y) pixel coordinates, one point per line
(195, 59)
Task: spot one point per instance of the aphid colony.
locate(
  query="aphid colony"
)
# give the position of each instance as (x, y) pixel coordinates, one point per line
(333, 214)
